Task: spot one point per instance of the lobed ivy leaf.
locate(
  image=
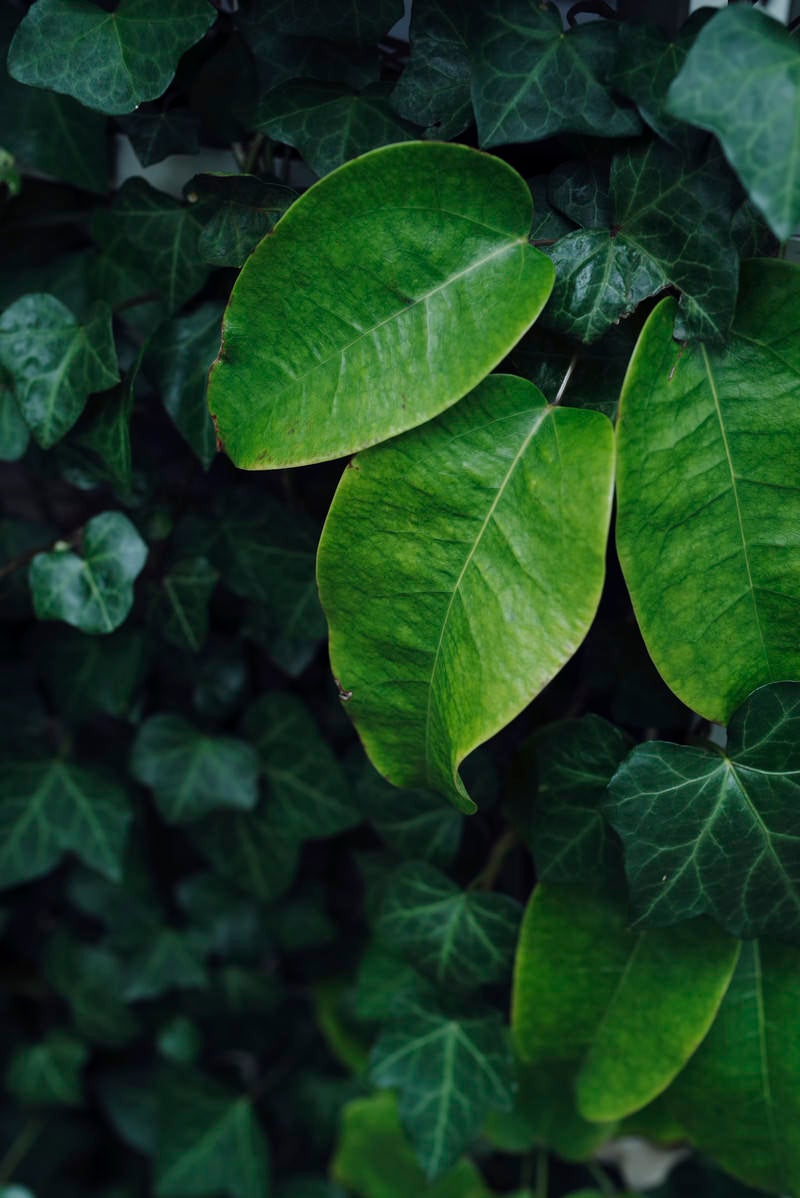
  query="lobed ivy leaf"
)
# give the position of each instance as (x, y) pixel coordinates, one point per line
(449, 1070)
(741, 81)
(179, 357)
(416, 824)
(463, 939)
(647, 62)
(48, 808)
(48, 1073)
(709, 565)
(55, 361)
(582, 191)
(181, 604)
(372, 293)
(85, 674)
(89, 979)
(236, 212)
(434, 88)
(531, 80)
(191, 773)
(438, 643)
(170, 960)
(108, 60)
(94, 592)
(156, 135)
(252, 851)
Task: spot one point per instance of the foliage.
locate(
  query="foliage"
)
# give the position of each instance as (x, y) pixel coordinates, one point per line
(512, 872)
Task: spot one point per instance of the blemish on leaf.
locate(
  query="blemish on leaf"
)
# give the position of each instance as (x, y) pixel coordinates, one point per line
(344, 695)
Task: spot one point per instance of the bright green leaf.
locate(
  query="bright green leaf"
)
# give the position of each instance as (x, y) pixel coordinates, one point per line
(48, 1073)
(375, 293)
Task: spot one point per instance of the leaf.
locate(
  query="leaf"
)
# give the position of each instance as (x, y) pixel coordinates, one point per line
(171, 960)
(707, 831)
(108, 60)
(581, 190)
(85, 674)
(94, 592)
(48, 1073)
(381, 976)
(647, 62)
(449, 1071)
(156, 135)
(236, 211)
(434, 88)
(531, 80)
(344, 22)
(415, 824)
(129, 1103)
(739, 1098)
(710, 564)
(14, 434)
(181, 610)
(544, 1115)
(89, 980)
(55, 361)
(375, 293)
(253, 852)
(463, 939)
(209, 1142)
(374, 1159)
(438, 643)
(311, 796)
(741, 81)
(179, 357)
(106, 435)
(191, 773)
(627, 1008)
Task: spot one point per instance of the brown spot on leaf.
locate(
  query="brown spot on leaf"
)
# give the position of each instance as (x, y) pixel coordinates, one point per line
(344, 695)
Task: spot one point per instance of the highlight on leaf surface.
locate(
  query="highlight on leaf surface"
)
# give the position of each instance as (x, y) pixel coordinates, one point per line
(438, 640)
(387, 292)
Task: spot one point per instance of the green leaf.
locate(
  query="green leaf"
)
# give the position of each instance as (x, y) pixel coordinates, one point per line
(14, 433)
(741, 80)
(55, 361)
(53, 134)
(94, 592)
(707, 831)
(351, 21)
(627, 1008)
(515, 496)
(311, 796)
(739, 1096)
(90, 981)
(209, 1142)
(461, 938)
(171, 960)
(381, 976)
(581, 190)
(181, 609)
(129, 1103)
(106, 435)
(434, 88)
(108, 60)
(191, 773)
(374, 1159)
(236, 211)
(415, 824)
(329, 124)
(647, 62)
(544, 1115)
(48, 808)
(253, 852)
(375, 293)
(710, 567)
(85, 674)
(48, 1073)
(449, 1070)
(530, 80)
(179, 357)
(156, 135)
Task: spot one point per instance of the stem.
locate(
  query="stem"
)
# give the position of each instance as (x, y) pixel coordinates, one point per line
(601, 1179)
(252, 154)
(147, 298)
(542, 1174)
(565, 381)
(19, 1149)
(486, 879)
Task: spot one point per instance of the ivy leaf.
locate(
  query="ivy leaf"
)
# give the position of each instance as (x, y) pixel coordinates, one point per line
(416, 627)
(311, 796)
(329, 124)
(14, 432)
(744, 62)
(709, 564)
(581, 190)
(253, 852)
(181, 608)
(449, 1070)
(531, 80)
(627, 1008)
(171, 960)
(90, 981)
(191, 773)
(738, 1098)
(718, 832)
(94, 592)
(107, 60)
(156, 135)
(236, 211)
(415, 824)
(179, 357)
(462, 939)
(86, 674)
(434, 88)
(647, 62)
(368, 291)
(105, 435)
(209, 1142)
(48, 1073)
(342, 22)
(48, 808)
(55, 361)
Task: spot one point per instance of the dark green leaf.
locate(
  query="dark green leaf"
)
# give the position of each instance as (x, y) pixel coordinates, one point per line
(414, 823)
(647, 62)
(582, 192)
(128, 1100)
(252, 852)
(14, 432)
(351, 21)
(155, 135)
(381, 977)
(236, 212)
(545, 1115)
(191, 773)
(106, 435)
(88, 674)
(109, 60)
(179, 357)
(434, 89)
(90, 981)
(171, 960)
(181, 609)
(55, 361)
(48, 1073)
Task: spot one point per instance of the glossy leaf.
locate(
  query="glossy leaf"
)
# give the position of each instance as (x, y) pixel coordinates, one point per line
(741, 80)
(530, 80)
(628, 1008)
(192, 773)
(438, 643)
(48, 1073)
(711, 565)
(107, 60)
(449, 1070)
(93, 592)
(462, 939)
(707, 831)
(55, 361)
(434, 88)
(375, 293)
(236, 212)
(179, 357)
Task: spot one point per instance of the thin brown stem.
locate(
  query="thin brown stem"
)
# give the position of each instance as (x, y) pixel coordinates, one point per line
(486, 879)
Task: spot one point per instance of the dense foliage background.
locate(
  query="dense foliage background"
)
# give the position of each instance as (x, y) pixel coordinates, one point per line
(236, 961)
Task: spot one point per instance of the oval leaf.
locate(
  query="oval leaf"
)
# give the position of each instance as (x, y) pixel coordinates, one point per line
(335, 342)
(709, 496)
(438, 640)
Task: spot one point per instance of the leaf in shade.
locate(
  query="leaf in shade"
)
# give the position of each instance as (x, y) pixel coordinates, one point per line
(105, 436)
(412, 823)
(582, 192)
(171, 960)
(344, 22)
(236, 212)
(14, 432)
(251, 851)
(53, 134)
(179, 357)
(87, 674)
(181, 607)
(90, 980)
(647, 62)
(434, 88)
(48, 1073)
(156, 135)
